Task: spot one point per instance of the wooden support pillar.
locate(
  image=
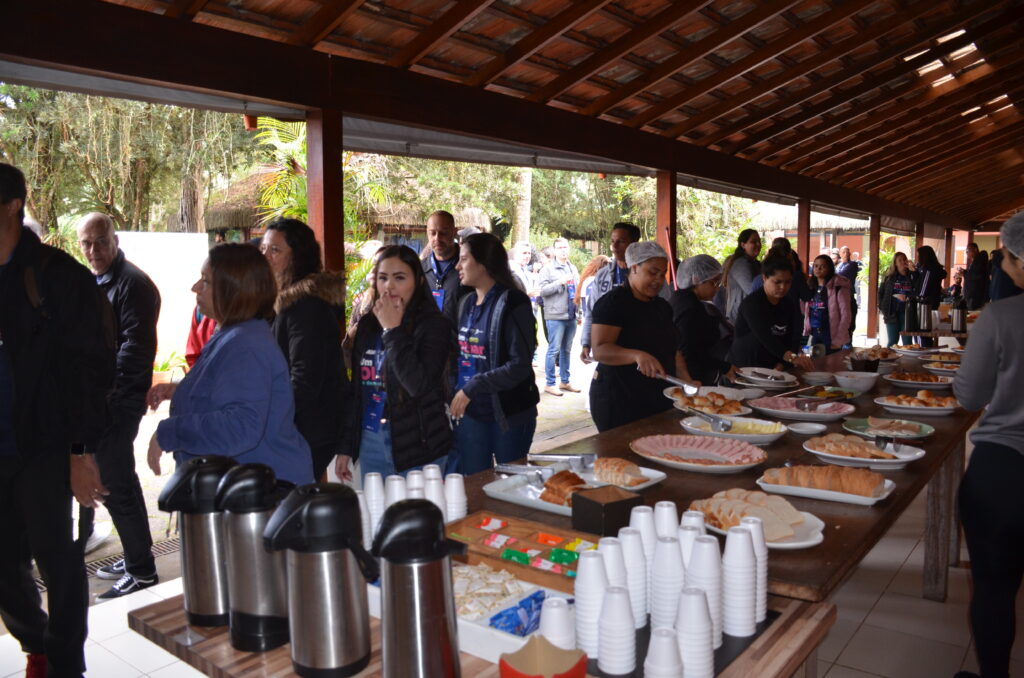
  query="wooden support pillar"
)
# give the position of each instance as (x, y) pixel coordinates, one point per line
(325, 185)
(874, 244)
(803, 232)
(919, 234)
(666, 217)
(948, 261)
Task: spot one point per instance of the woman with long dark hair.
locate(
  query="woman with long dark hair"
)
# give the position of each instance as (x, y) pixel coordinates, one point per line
(495, 404)
(310, 309)
(400, 360)
(896, 289)
(739, 270)
(827, 313)
(928, 285)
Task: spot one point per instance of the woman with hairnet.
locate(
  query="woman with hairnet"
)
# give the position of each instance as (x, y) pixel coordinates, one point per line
(700, 337)
(991, 504)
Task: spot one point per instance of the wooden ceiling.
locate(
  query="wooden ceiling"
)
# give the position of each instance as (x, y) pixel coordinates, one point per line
(916, 101)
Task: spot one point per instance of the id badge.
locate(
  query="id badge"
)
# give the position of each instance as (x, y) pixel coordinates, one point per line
(439, 298)
(467, 370)
(374, 413)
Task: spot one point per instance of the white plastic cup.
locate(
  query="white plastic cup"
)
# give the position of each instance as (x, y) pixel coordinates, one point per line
(455, 511)
(686, 534)
(666, 520)
(415, 493)
(642, 518)
(756, 528)
(394, 490)
(694, 518)
(454, 488)
(614, 561)
(373, 488)
(663, 660)
(433, 491)
(432, 471)
(616, 637)
(556, 623)
(636, 573)
(694, 634)
(668, 577)
(588, 590)
(414, 479)
(705, 572)
(739, 584)
(739, 548)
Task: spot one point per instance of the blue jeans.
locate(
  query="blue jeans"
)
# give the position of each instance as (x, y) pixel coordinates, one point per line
(560, 334)
(477, 441)
(375, 454)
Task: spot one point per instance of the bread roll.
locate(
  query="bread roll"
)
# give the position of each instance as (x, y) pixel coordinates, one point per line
(618, 471)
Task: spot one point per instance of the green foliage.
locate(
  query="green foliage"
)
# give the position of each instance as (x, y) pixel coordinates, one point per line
(578, 256)
(65, 238)
(172, 361)
(429, 185)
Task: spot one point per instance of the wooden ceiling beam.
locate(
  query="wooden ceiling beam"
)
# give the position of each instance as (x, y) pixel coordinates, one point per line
(686, 56)
(184, 9)
(970, 202)
(323, 22)
(661, 21)
(850, 70)
(787, 41)
(535, 41)
(1003, 211)
(801, 68)
(440, 30)
(969, 175)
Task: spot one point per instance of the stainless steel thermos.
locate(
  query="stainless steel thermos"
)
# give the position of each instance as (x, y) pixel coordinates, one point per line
(418, 623)
(320, 529)
(257, 594)
(192, 491)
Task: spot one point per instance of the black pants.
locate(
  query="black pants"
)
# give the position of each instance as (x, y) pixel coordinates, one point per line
(322, 456)
(35, 522)
(992, 510)
(613, 405)
(115, 457)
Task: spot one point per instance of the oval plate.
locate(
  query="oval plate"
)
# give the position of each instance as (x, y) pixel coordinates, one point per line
(827, 495)
(904, 456)
(748, 375)
(944, 371)
(653, 447)
(911, 410)
(744, 410)
(799, 415)
(807, 534)
(692, 425)
(724, 391)
(861, 426)
(934, 386)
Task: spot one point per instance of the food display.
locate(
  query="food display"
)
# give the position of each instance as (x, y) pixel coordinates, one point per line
(725, 509)
(754, 431)
(830, 392)
(876, 352)
(896, 428)
(845, 479)
(924, 398)
(618, 471)
(699, 453)
(936, 365)
(942, 357)
(747, 427)
(917, 378)
(559, 488)
(712, 403)
(847, 446)
(788, 408)
(480, 590)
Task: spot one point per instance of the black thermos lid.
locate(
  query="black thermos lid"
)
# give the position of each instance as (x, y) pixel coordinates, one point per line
(250, 488)
(315, 518)
(193, 486)
(411, 531)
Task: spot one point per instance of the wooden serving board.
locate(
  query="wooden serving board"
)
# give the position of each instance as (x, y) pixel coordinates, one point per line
(528, 534)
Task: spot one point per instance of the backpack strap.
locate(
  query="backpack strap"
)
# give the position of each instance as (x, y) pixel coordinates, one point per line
(35, 298)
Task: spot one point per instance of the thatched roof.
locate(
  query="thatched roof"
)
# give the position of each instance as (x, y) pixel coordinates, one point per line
(237, 207)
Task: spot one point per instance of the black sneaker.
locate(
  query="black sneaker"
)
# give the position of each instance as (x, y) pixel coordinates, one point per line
(128, 584)
(115, 571)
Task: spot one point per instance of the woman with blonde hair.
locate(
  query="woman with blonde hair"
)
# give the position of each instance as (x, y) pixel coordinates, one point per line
(897, 286)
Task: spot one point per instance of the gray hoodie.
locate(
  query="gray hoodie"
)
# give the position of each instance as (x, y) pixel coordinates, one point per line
(554, 291)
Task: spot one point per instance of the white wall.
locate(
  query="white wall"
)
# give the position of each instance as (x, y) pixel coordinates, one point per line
(173, 261)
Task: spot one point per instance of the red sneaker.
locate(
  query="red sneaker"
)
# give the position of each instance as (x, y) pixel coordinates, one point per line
(36, 667)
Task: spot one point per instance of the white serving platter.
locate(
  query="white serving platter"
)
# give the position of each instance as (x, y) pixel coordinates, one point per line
(904, 456)
(807, 534)
(827, 495)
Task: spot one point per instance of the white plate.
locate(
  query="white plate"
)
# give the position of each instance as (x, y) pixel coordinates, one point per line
(827, 495)
(818, 378)
(806, 416)
(905, 455)
(517, 490)
(806, 428)
(724, 391)
(902, 350)
(941, 357)
(750, 385)
(714, 469)
(960, 350)
(743, 410)
(941, 370)
(748, 374)
(908, 409)
(653, 477)
(692, 425)
(936, 386)
(654, 447)
(862, 427)
(807, 534)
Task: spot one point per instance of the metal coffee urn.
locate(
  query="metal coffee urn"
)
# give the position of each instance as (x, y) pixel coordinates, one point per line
(257, 593)
(958, 316)
(192, 491)
(924, 315)
(418, 623)
(319, 525)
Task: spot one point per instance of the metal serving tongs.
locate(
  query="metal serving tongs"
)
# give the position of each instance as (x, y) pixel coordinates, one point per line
(811, 404)
(535, 475)
(718, 424)
(881, 442)
(767, 375)
(688, 388)
(576, 462)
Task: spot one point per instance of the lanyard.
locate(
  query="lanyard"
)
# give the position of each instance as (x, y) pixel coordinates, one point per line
(619, 276)
(442, 273)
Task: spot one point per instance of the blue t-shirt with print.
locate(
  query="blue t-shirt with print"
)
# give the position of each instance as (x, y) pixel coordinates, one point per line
(371, 379)
(475, 352)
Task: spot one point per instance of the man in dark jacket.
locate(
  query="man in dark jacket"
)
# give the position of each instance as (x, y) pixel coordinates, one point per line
(56, 367)
(439, 266)
(976, 282)
(136, 303)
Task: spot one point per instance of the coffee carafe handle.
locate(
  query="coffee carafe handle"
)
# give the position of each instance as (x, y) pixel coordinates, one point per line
(368, 565)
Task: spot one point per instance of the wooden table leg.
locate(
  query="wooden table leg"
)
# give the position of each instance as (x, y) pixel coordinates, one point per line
(809, 669)
(939, 524)
(957, 473)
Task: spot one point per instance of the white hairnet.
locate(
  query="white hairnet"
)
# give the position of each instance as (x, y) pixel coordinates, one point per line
(696, 270)
(1012, 235)
(639, 252)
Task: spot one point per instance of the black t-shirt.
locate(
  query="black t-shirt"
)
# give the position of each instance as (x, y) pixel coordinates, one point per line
(647, 326)
(7, 433)
(764, 331)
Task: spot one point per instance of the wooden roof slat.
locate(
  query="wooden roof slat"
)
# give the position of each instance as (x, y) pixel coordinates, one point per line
(962, 177)
(828, 82)
(873, 83)
(788, 40)
(323, 22)
(536, 40)
(1002, 211)
(185, 9)
(440, 29)
(693, 52)
(967, 202)
(618, 48)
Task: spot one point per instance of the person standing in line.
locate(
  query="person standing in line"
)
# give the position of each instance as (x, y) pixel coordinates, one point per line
(401, 362)
(976, 282)
(739, 270)
(308, 316)
(850, 269)
(892, 297)
(928, 284)
(827, 313)
(989, 379)
(495, 404)
(522, 270)
(439, 265)
(57, 362)
(612, 275)
(136, 304)
(699, 331)
(583, 298)
(558, 281)
(799, 291)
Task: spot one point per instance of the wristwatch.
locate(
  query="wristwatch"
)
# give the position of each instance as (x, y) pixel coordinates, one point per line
(788, 356)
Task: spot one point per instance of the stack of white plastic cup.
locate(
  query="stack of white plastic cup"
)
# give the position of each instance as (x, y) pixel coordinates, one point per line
(667, 577)
(642, 518)
(373, 488)
(433, 490)
(394, 490)
(614, 561)
(666, 521)
(414, 482)
(364, 520)
(636, 573)
(556, 623)
(686, 534)
(455, 496)
(432, 471)
(705, 573)
(693, 633)
(616, 637)
(695, 518)
(739, 584)
(588, 590)
(756, 528)
(663, 660)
